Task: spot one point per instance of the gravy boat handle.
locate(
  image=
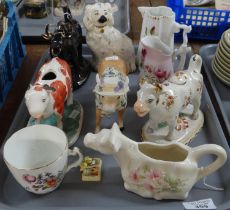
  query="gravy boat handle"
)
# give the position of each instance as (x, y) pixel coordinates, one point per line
(209, 149)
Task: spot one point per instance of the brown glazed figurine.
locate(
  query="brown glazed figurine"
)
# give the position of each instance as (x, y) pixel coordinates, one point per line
(111, 89)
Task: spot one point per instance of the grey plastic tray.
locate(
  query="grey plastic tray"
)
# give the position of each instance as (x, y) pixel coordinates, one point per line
(109, 194)
(31, 29)
(220, 90)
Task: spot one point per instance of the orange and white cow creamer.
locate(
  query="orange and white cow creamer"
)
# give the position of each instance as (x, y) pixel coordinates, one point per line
(51, 89)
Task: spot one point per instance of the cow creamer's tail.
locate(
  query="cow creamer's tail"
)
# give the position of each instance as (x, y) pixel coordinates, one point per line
(195, 63)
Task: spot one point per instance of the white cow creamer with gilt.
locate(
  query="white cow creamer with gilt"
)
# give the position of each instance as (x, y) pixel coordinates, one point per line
(173, 106)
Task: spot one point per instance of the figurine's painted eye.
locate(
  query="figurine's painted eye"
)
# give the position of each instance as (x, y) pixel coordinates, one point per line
(118, 97)
(43, 100)
(105, 12)
(150, 100)
(96, 13)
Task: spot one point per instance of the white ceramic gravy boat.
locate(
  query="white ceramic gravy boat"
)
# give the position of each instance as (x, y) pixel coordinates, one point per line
(153, 170)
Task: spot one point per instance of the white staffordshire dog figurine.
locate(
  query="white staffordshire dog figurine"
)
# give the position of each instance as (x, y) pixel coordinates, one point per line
(103, 39)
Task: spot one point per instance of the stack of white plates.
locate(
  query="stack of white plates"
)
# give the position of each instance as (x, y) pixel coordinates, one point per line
(221, 61)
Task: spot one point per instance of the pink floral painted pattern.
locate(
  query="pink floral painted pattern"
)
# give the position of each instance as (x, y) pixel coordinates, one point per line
(153, 74)
(154, 181)
(134, 176)
(28, 178)
(153, 174)
(43, 181)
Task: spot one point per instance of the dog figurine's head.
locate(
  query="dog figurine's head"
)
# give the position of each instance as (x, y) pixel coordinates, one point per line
(99, 15)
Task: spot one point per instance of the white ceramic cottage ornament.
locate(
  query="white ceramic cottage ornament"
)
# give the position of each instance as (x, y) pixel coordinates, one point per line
(111, 89)
(103, 39)
(156, 171)
(50, 99)
(173, 106)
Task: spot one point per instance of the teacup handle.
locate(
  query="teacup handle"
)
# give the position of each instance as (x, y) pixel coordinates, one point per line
(74, 152)
(209, 149)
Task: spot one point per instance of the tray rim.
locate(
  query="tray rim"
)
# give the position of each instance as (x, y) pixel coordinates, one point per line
(214, 89)
(222, 206)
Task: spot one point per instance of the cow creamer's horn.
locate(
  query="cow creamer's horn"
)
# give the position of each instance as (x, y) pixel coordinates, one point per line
(142, 82)
(47, 35)
(157, 88)
(98, 79)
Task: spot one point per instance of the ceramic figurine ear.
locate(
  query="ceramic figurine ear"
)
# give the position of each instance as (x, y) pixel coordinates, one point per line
(26, 94)
(127, 80)
(114, 8)
(87, 18)
(114, 132)
(157, 88)
(142, 82)
(47, 35)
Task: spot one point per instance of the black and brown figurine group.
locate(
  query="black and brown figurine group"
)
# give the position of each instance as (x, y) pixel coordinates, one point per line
(66, 43)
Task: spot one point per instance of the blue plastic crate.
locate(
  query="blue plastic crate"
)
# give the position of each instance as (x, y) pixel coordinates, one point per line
(207, 24)
(12, 52)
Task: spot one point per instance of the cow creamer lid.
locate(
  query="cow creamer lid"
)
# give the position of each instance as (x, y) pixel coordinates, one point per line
(53, 66)
(112, 83)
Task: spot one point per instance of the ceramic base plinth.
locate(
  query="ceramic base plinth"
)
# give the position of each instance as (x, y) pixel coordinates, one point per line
(72, 122)
(185, 130)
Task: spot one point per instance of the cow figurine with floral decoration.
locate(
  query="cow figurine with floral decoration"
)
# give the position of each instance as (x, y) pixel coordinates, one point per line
(111, 89)
(46, 99)
(173, 106)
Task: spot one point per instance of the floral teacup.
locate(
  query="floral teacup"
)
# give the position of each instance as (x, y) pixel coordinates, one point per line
(37, 157)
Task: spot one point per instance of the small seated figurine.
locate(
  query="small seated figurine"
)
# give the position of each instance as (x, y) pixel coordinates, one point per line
(173, 106)
(103, 38)
(50, 99)
(111, 89)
